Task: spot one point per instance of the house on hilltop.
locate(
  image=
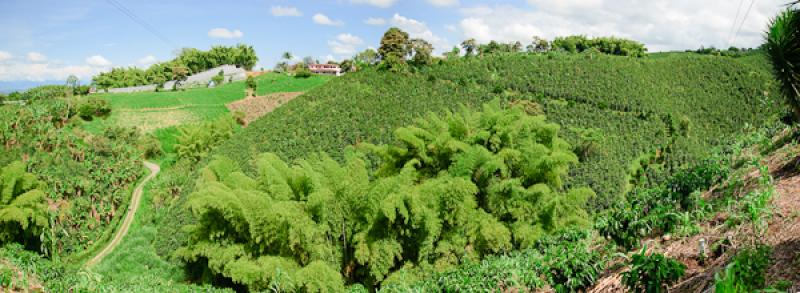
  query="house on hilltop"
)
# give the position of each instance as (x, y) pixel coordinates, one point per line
(331, 69)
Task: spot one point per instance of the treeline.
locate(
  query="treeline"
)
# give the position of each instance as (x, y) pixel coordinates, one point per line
(397, 50)
(188, 62)
(46, 92)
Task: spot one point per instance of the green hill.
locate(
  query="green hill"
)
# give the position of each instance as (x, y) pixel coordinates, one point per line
(634, 106)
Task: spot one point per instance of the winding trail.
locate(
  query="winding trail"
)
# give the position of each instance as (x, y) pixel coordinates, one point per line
(126, 223)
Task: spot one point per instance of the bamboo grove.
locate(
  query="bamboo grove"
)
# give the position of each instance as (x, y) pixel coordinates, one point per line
(449, 188)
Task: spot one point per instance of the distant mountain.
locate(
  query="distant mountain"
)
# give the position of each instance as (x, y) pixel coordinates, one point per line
(21, 85)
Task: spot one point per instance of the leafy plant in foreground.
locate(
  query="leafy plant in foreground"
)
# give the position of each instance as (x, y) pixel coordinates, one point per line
(652, 273)
(450, 189)
(23, 212)
(783, 48)
(746, 272)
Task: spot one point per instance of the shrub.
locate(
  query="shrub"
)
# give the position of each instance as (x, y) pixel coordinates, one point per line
(93, 107)
(302, 73)
(746, 272)
(652, 273)
(572, 266)
(150, 146)
(252, 86)
(196, 140)
(219, 78)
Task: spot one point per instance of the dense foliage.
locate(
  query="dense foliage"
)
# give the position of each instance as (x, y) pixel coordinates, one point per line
(648, 211)
(44, 92)
(783, 48)
(85, 177)
(524, 270)
(188, 62)
(652, 273)
(746, 271)
(450, 188)
(629, 101)
(23, 212)
(607, 45)
(194, 141)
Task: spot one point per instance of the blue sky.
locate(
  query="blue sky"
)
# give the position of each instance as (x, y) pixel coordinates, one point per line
(45, 41)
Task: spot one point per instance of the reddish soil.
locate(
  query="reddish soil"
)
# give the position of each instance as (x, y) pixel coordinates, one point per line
(256, 107)
(783, 234)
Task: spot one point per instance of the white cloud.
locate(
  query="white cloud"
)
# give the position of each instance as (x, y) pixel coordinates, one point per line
(98, 61)
(345, 45)
(5, 56)
(418, 29)
(375, 21)
(36, 57)
(377, 3)
(322, 19)
(147, 60)
(443, 3)
(45, 71)
(661, 25)
(286, 11)
(223, 33)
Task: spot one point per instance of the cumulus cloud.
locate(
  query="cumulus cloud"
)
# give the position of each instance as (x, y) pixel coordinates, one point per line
(5, 56)
(345, 45)
(98, 61)
(223, 33)
(375, 21)
(377, 3)
(36, 57)
(322, 19)
(286, 11)
(418, 29)
(147, 60)
(443, 3)
(661, 25)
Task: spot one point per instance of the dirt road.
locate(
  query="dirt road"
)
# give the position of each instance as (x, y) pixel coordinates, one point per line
(126, 223)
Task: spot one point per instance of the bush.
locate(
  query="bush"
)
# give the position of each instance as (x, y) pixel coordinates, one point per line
(195, 141)
(150, 146)
(93, 107)
(746, 272)
(219, 78)
(571, 265)
(652, 273)
(302, 73)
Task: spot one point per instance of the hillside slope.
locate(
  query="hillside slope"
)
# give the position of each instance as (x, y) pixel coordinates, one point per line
(634, 107)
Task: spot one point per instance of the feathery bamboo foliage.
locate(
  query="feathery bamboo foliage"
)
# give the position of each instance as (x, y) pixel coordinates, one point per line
(451, 188)
(23, 212)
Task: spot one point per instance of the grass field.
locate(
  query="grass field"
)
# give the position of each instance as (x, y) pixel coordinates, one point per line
(150, 111)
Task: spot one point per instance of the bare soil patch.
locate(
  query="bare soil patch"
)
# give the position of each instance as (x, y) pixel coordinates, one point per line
(256, 107)
(149, 121)
(783, 235)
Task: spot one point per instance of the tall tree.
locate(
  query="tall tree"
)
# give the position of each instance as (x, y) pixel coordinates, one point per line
(469, 46)
(422, 51)
(783, 48)
(395, 47)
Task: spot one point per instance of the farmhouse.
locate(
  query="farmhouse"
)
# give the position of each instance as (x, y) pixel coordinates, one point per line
(332, 69)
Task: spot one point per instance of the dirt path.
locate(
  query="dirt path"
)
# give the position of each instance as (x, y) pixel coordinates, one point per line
(129, 216)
